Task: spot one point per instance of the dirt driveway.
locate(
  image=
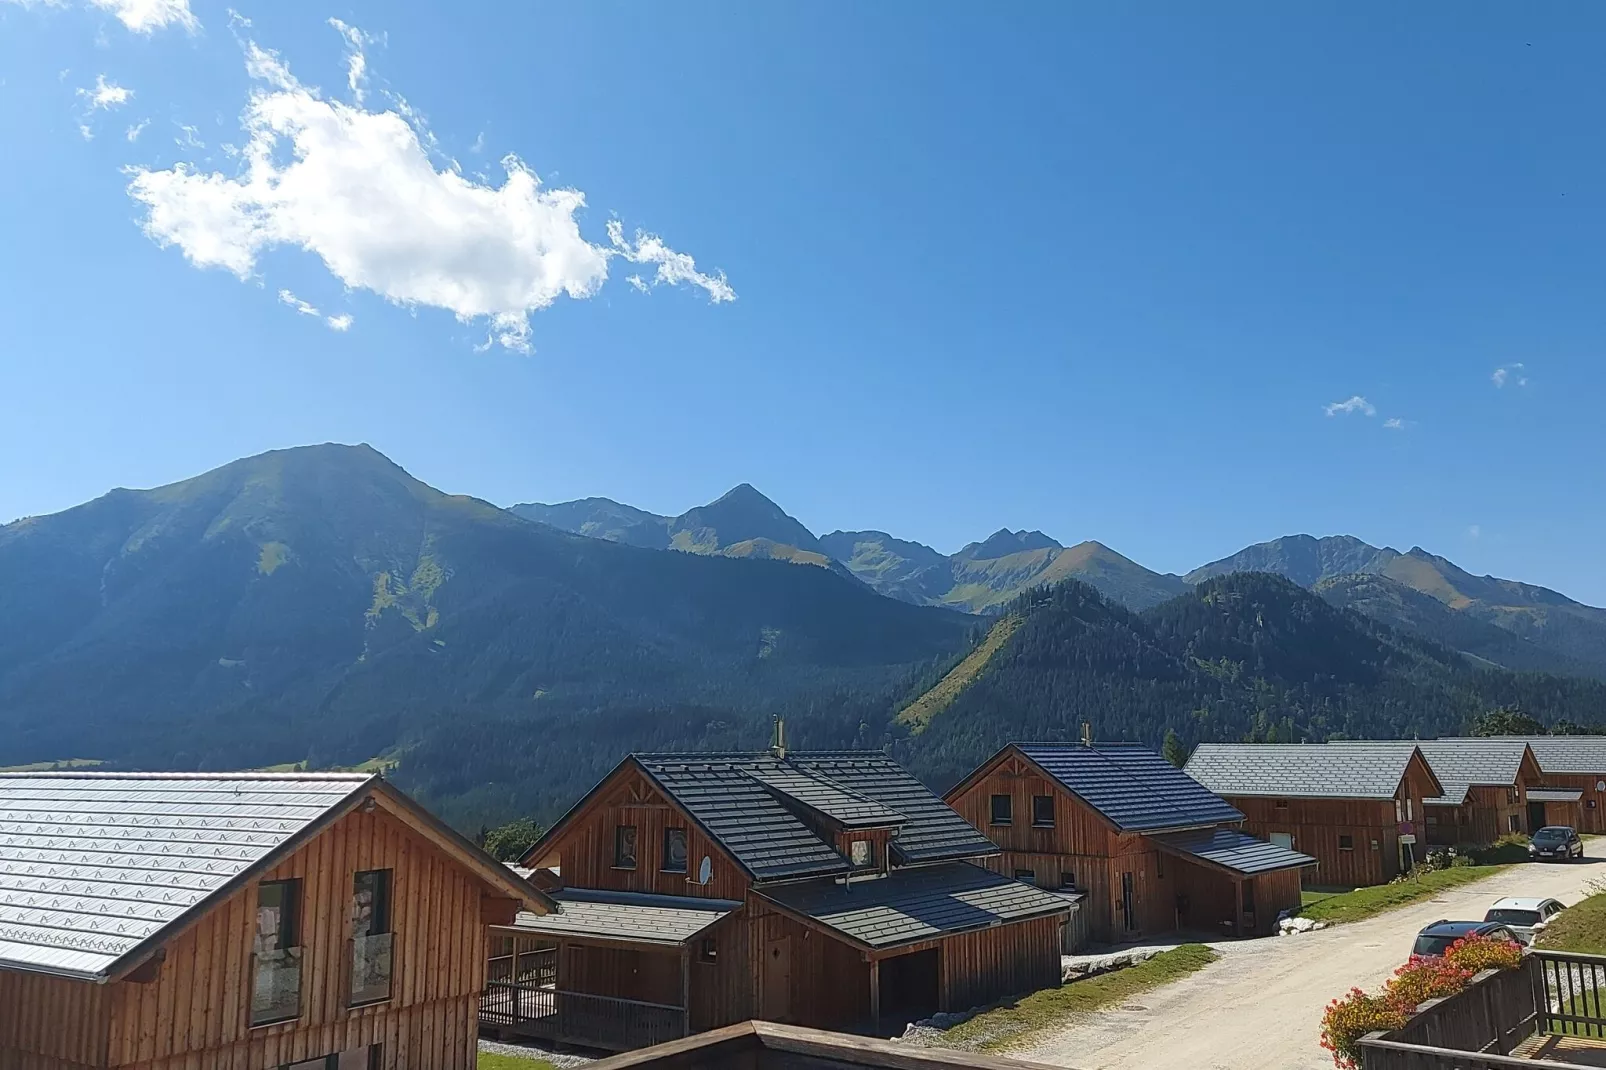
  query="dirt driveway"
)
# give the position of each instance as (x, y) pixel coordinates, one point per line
(1260, 1005)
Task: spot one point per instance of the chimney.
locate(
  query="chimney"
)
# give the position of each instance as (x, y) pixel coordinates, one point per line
(778, 739)
(1087, 734)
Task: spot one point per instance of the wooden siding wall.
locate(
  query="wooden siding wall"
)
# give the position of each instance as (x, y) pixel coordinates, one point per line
(1007, 960)
(1589, 813)
(585, 851)
(1154, 897)
(48, 1023)
(195, 1015)
(1482, 819)
(723, 992)
(1077, 829)
(649, 976)
(1316, 825)
(830, 980)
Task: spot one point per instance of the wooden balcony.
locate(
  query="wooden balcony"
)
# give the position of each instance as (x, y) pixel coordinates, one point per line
(534, 1010)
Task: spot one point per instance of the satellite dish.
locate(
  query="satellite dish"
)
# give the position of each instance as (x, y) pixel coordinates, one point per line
(1600, 785)
(705, 872)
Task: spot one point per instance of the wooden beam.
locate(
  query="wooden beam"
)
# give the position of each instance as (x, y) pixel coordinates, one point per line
(1238, 912)
(875, 995)
(149, 970)
(685, 991)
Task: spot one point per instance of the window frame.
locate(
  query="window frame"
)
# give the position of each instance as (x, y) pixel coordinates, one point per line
(869, 848)
(1067, 883)
(1029, 876)
(287, 938)
(708, 951)
(1037, 821)
(380, 923)
(619, 837)
(664, 865)
(1346, 841)
(1009, 810)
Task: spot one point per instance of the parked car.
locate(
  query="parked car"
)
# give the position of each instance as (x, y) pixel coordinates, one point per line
(1434, 940)
(1524, 915)
(1556, 841)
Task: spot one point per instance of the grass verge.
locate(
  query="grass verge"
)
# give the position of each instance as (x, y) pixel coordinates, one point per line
(490, 1060)
(1011, 1024)
(1368, 902)
(920, 712)
(1581, 928)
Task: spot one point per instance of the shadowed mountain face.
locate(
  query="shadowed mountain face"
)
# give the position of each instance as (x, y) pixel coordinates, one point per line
(321, 603)
(1243, 656)
(1551, 631)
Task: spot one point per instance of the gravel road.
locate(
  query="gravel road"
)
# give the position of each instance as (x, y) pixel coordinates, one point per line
(1259, 1006)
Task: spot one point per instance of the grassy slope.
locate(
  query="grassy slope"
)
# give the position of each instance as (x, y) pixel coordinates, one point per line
(1368, 902)
(493, 1061)
(1581, 928)
(920, 712)
(1010, 1025)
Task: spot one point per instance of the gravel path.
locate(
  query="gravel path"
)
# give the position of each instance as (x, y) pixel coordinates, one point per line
(1260, 1006)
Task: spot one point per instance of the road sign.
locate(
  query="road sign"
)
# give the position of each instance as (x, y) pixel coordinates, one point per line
(1408, 839)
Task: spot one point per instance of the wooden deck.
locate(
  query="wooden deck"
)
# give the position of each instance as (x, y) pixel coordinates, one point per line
(1573, 1051)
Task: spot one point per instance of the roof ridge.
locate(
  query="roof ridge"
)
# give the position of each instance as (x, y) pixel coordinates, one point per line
(79, 774)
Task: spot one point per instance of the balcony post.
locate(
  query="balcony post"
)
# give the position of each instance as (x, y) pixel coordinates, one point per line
(685, 990)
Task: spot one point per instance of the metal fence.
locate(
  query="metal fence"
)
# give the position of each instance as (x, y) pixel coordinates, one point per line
(579, 1017)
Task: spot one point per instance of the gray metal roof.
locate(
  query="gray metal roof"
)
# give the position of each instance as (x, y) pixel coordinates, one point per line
(1573, 755)
(628, 917)
(726, 795)
(1462, 764)
(93, 865)
(1235, 850)
(1554, 794)
(1132, 786)
(849, 808)
(1369, 770)
(916, 904)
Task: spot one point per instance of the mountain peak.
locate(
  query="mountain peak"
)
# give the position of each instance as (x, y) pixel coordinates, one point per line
(1004, 542)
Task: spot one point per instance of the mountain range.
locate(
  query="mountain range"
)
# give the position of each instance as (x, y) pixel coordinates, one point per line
(1500, 622)
(320, 604)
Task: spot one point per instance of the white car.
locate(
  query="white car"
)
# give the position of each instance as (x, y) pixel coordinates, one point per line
(1524, 915)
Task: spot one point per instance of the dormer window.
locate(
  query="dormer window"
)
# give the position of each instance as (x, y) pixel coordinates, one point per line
(1003, 810)
(862, 854)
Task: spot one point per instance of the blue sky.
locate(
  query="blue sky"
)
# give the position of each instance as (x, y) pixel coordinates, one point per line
(1065, 267)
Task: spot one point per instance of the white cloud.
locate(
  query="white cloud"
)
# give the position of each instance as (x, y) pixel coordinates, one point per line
(191, 138)
(356, 60)
(288, 298)
(1355, 403)
(1394, 423)
(148, 16)
(133, 132)
(85, 133)
(106, 95)
(360, 190)
(341, 322)
(1509, 373)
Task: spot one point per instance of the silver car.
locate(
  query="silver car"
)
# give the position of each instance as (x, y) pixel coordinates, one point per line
(1524, 915)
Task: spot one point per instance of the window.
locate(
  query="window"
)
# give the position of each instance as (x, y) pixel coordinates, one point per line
(624, 847)
(276, 953)
(371, 940)
(1514, 823)
(1027, 875)
(1399, 810)
(1249, 897)
(368, 1058)
(1043, 811)
(1409, 816)
(1159, 866)
(1067, 879)
(1346, 843)
(1003, 810)
(708, 950)
(862, 854)
(1281, 804)
(674, 851)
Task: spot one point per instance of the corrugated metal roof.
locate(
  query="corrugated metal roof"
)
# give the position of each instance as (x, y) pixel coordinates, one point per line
(916, 904)
(850, 808)
(627, 916)
(1235, 850)
(725, 794)
(92, 865)
(1462, 764)
(1368, 770)
(1132, 786)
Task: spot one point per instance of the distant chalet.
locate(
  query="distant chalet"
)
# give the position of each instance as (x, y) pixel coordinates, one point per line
(828, 889)
(170, 921)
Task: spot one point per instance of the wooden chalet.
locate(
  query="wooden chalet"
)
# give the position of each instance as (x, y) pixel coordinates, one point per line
(239, 922)
(1486, 784)
(1573, 781)
(827, 890)
(1150, 849)
(1357, 808)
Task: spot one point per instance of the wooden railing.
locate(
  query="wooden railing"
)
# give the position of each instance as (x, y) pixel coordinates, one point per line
(1553, 994)
(579, 1017)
